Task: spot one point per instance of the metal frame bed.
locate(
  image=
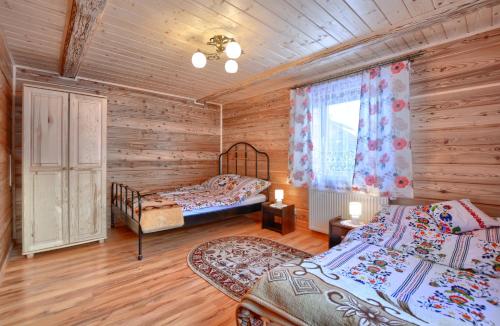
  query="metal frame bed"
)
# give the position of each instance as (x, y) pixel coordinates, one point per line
(120, 192)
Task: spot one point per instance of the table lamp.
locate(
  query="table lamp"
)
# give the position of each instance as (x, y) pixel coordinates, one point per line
(355, 210)
(279, 194)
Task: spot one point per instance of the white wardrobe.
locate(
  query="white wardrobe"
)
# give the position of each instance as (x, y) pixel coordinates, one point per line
(64, 169)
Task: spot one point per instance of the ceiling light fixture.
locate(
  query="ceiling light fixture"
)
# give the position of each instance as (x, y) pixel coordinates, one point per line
(199, 59)
(233, 50)
(222, 44)
(231, 66)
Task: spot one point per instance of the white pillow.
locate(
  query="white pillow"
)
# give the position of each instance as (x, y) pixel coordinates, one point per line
(457, 216)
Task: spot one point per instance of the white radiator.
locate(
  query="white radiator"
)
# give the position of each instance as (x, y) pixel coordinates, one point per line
(325, 205)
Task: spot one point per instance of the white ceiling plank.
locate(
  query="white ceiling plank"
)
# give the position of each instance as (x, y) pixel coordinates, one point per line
(415, 39)
(479, 19)
(300, 21)
(278, 25)
(394, 10)
(322, 18)
(397, 44)
(368, 11)
(455, 27)
(434, 33)
(495, 12)
(339, 10)
(418, 7)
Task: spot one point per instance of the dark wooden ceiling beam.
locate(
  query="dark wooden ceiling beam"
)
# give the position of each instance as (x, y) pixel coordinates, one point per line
(84, 18)
(439, 15)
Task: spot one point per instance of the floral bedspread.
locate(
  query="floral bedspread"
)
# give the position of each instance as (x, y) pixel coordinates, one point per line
(392, 272)
(192, 199)
(218, 191)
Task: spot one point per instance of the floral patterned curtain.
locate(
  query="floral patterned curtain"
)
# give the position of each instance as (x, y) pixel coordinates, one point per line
(300, 142)
(383, 154)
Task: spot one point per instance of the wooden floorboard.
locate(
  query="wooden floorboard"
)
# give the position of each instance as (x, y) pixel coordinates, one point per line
(104, 284)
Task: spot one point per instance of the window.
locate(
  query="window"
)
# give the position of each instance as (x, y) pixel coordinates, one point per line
(335, 131)
(353, 133)
(335, 118)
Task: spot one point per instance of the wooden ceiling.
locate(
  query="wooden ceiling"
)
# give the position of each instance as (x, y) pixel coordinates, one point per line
(149, 43)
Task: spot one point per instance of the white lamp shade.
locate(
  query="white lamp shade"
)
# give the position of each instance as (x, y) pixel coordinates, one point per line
(231, 66)
(199, 59)
(233, 50)
(279, 194)
(355, 209)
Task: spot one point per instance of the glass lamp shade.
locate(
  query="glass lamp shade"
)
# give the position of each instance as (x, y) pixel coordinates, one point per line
(355, 210)
(233, 50)
(231, 66)
(199, 60)
(279, 194)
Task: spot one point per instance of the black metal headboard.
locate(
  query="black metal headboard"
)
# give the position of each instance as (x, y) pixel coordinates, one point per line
(246, 169)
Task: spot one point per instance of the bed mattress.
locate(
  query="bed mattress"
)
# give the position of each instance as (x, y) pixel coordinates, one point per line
(165, 218)
(260, 198)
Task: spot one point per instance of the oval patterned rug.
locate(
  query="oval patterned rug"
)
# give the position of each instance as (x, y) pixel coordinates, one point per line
(233, 264)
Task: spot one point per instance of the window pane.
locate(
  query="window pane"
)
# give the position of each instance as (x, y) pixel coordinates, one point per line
(335, 131)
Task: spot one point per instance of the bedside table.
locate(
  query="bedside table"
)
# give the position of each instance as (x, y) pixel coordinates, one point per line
(287, 214)
(337, 229)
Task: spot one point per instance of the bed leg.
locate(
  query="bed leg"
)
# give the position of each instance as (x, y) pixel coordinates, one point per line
(112, 203)
(140, 234)
(112, 217)
(139, 256)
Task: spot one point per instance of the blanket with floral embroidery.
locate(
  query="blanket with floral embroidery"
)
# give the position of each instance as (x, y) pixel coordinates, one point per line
(394, 271)
(231, 190)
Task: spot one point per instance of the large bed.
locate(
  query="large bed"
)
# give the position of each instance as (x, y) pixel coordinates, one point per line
(239, 188)
(406, 268)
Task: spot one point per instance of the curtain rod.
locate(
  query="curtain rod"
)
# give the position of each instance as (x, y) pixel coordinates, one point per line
(410, 57)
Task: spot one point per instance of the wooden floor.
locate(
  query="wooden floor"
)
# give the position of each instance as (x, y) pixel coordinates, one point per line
(104, 284)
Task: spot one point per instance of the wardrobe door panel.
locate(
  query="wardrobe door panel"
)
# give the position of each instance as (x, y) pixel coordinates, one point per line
(87, 132)
(86, 202)
(50, 224)
(47, 136)
(45, 173)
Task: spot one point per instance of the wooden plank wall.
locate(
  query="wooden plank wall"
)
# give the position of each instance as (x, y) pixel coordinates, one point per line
(455, 126)
(455, 122)
(263, 122)
(5, 150)
(154, 141)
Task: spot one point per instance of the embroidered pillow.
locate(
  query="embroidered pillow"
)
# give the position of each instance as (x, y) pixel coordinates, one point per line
(457, 216)
(411, 216)
(223, 182)
(247, 187)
